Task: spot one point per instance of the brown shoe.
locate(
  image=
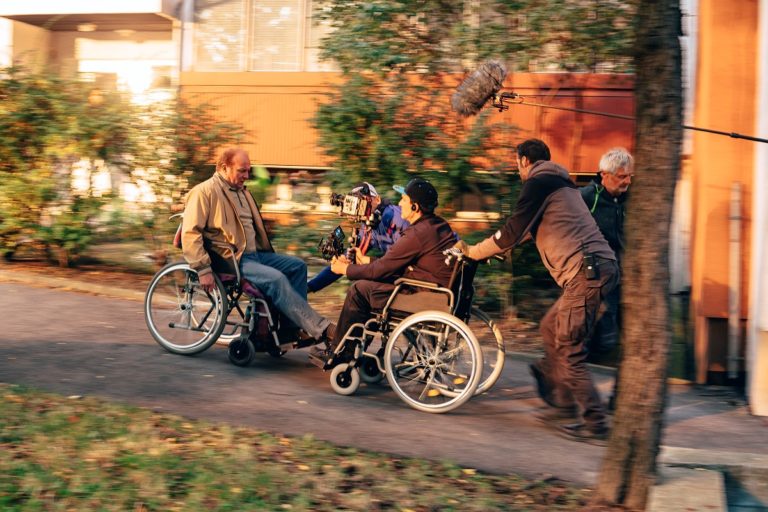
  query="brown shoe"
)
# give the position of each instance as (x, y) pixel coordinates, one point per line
(327, 338)
(329, 334)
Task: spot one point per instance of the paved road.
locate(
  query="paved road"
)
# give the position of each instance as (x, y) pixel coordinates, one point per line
(79, 344)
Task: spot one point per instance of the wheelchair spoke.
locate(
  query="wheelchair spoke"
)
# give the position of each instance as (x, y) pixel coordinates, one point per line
(492, 345)
(433, 364)
(181, 316)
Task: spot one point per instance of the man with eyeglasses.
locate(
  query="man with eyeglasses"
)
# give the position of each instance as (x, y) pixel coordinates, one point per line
(606, 197)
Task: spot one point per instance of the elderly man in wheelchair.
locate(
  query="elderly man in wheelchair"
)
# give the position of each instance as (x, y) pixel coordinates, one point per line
(228, 253)
(431, 358)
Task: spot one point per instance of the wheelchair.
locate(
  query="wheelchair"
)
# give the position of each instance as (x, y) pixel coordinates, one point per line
(428, 353)
(184, 318)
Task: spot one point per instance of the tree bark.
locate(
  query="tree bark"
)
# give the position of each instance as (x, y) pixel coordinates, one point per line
(629, 467)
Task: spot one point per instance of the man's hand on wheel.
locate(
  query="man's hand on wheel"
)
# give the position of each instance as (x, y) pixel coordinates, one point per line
(207, 282)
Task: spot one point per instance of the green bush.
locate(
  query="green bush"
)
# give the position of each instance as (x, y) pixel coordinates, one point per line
(49, 125)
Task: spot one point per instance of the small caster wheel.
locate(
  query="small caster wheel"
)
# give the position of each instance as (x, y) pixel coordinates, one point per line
(344, 379)
(369, 370)
(241, 352)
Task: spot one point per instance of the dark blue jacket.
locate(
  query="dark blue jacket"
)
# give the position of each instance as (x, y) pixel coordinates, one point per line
(609, 213)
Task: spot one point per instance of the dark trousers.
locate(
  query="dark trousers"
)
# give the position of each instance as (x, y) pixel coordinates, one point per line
(605, 336)
(565, 329)
(363, 298)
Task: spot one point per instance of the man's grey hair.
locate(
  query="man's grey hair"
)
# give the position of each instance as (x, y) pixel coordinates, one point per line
(615, 159)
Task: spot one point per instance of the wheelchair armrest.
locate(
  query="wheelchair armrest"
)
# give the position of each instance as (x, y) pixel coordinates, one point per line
(416, 282)
(222, 264)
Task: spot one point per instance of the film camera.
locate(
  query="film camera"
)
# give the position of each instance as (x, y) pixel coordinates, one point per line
(332, 245)
(357, 206)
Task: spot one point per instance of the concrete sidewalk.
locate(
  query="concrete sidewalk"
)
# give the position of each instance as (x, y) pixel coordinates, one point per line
(714, 455)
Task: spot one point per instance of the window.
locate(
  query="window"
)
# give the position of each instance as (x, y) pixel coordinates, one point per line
(220, 30)
(276, 35)
(257, 35)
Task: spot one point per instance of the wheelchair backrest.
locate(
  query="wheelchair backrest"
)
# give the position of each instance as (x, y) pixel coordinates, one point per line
(463, 275)
(411, 296)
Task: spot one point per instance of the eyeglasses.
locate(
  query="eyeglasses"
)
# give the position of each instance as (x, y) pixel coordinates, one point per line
(620, 177)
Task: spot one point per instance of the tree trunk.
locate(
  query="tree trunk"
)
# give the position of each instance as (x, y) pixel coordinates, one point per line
(629, 468)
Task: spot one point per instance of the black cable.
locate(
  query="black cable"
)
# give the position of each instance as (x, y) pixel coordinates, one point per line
(519, 100)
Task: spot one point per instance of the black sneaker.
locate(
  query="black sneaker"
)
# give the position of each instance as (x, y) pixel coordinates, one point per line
(555, 414)
(321, 356)
(321, 352)
(584, 434)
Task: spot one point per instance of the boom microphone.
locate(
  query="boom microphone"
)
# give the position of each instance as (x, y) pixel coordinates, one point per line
(478, 88)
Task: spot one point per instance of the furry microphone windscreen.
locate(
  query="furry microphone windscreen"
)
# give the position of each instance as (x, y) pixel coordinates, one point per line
(478, 88)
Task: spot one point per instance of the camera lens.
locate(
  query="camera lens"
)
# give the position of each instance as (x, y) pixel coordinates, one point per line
(337, 199)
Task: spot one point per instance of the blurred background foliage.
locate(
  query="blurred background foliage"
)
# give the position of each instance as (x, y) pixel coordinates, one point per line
(395, 55)
(52, 128)
(383, 123)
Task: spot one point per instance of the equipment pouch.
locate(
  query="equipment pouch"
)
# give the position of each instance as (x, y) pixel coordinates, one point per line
(591, 269)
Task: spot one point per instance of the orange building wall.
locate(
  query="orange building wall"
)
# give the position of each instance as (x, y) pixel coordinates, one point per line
(276, 109)
(726, 92)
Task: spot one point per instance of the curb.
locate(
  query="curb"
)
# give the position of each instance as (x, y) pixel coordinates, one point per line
(70, 284)
(694, 479)
(683, 489)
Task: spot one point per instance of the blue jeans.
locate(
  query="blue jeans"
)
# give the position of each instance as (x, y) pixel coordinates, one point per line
(283, 279)
(323, 278)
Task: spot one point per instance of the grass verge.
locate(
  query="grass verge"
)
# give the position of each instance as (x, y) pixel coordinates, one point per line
(59, 453)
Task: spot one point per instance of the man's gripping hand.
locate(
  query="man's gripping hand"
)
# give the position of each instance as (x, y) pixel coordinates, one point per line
(360, 258)
(339, 265)
(462, 247)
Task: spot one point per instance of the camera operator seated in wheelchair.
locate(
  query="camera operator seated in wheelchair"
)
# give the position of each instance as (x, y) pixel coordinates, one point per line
(417, 255)
(221, 217)
(378, 231)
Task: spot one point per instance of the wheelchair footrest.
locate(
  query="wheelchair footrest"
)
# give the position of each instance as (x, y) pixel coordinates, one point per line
(318, 361)
(304, 343)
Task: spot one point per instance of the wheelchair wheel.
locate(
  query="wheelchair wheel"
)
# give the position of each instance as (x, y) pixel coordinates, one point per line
(345, 379)
(240, 352)
(492, 345)
(369, 370)
(181, 316)
(433, 361)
